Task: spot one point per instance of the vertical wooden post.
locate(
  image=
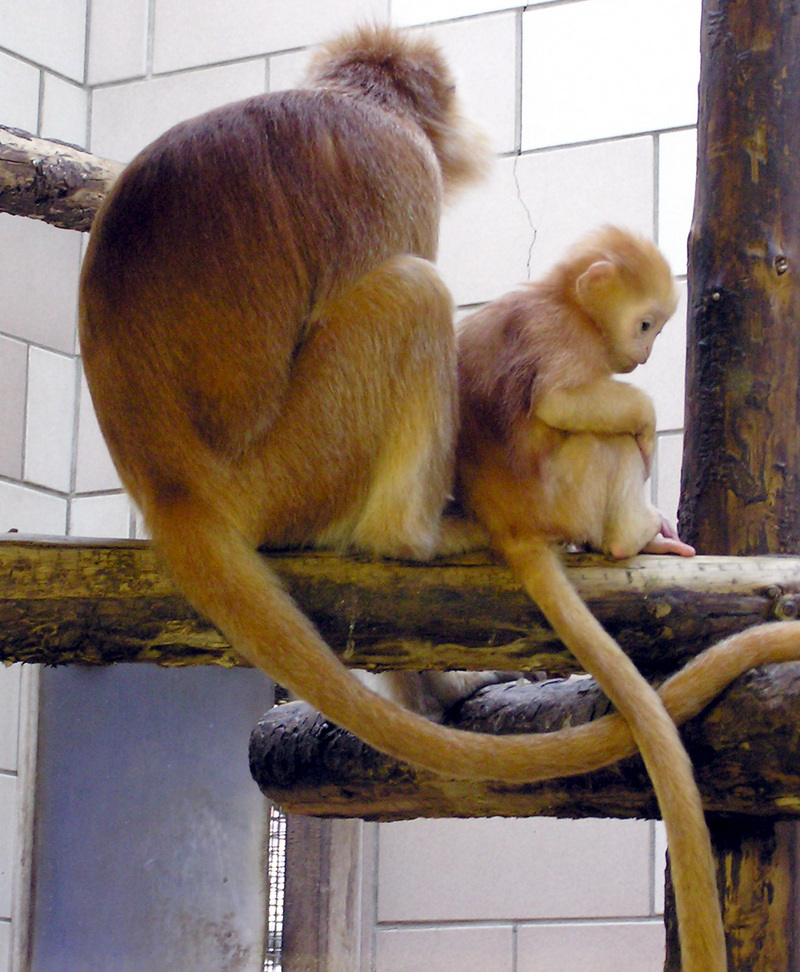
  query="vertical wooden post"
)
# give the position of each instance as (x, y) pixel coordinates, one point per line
(741, 474)
(740, 490)
(322, 904)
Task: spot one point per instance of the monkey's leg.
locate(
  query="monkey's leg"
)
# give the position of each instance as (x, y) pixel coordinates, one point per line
(362, 452)
(632, 525)
(630, 522)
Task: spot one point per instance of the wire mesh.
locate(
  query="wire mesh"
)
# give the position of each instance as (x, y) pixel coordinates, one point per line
(276, 886)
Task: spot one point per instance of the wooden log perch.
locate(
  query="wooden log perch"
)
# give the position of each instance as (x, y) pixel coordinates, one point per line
(52, 181)
(745, 748)
(99, 602)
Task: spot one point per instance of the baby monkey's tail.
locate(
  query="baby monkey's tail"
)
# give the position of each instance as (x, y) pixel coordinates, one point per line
(537, 565)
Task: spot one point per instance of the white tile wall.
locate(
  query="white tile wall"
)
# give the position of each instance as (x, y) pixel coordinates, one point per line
(408, 12)
(601, 947)
(287, 71)
(662, 376)
(485, 238)
(669, 458)
(207, 33)
(481, 54)
(571, 191)
(8, 843)
(95, 470)
(444, 950)
(127, 117)
(52, 34)
(33, 511)
(117, 40)
(13, 387)
(659, 865)
(100, 516)
(530, 869)
(643, 76)
(65, 111)
(50, 419)
(39, 267)
(9, 716)
(677, 164)
(532, 208)
(19, 83)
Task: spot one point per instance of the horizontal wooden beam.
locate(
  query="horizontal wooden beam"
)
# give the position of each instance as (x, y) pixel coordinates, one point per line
(99, 602)
(52, 181)
(745, 748)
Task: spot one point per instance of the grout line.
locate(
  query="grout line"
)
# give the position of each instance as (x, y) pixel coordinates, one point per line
(656, 186)
(87, 41)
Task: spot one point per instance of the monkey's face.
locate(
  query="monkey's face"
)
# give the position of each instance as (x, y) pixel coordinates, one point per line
(634, 331)
(630, 309)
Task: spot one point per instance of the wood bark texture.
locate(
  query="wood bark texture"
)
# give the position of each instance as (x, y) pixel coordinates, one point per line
(741, 479)
(741, 473)
(52, 181)
(99, 602)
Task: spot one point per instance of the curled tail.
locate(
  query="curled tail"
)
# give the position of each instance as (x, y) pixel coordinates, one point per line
(231, 584)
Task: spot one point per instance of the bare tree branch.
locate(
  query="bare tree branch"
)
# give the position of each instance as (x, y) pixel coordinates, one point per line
(52, 181)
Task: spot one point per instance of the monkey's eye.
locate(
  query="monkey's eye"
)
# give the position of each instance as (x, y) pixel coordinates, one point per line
(645, 326)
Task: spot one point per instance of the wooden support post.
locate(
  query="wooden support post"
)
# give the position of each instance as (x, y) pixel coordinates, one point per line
(322, 931)
(741, 475)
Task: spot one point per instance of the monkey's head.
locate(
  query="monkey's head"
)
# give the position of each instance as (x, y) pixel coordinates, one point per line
(408, 76)
(625, 286)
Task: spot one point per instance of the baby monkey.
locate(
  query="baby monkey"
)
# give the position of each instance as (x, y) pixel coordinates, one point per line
(551, 443)
(554, 449)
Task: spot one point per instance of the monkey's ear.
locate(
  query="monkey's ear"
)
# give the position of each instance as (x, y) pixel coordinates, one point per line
(594, 281)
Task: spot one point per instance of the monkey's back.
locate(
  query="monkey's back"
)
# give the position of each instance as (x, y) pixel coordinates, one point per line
(215, 247)
(298, 192)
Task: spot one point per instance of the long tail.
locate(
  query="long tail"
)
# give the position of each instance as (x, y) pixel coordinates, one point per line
(693, 870)
(228, 580)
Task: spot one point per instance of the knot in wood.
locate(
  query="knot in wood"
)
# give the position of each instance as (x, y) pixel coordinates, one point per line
(781, 264)
(787, 607)
(660, 608)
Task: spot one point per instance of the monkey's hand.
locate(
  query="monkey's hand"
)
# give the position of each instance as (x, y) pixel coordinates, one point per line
(668, 541)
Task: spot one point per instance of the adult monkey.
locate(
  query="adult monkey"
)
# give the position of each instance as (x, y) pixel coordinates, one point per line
(271, 354)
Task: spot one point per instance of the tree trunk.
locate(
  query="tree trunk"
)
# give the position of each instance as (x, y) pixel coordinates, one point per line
(741, 482)
(741, 478)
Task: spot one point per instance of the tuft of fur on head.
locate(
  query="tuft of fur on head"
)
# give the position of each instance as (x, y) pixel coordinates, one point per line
(641, 266)
(407, 75)
(638, 259)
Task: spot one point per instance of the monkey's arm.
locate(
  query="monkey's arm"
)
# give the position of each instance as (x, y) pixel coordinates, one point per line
(604, 406)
